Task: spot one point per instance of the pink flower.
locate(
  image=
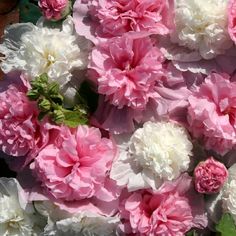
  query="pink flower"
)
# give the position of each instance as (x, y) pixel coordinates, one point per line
(171, 211)
(212, 113)
(109, 18)
(76, 165)
(232, 19)
(127, 71)
(53, 9)
(210, 176)
(21, 133)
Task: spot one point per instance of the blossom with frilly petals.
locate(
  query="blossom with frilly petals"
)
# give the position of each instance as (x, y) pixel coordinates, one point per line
(153, 154)
(21, 133)
(53, 9)
(231, 19)
(38, 49)
(111, 18)
(229, 193)
(212, 112)
(210, 176)
(171, 210)
(17, 217)
(76, 165)
(127, 70)
(201, 25)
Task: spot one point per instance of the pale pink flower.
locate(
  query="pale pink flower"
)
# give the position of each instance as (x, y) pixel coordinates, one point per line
(170, 211)
(53, 9)
(109, 18)
(76, 165)
(212, 112)
(232, 19)
(127, 71)
(210, 176)
(21, 134)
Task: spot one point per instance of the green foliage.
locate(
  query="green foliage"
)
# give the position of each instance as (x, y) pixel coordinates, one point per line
(29, 11)
(50, 103)
(226, 226)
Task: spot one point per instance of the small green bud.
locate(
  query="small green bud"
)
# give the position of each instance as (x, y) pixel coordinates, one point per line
(43, 78)
(58, 116)
(53, 88)
(33, 95)
(44, 105)
(57, 98)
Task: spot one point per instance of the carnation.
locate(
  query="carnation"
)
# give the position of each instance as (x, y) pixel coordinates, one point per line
(54, 9)
(17, 218)
(76, 165)
(168, 211)
(153, 154)
(211, 113)
(127, 71)
(202, 27)
(37, 50)
(111, 18)
(21, 134)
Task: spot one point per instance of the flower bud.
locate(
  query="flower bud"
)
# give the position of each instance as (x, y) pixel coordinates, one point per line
(44, 105)
(58, 116)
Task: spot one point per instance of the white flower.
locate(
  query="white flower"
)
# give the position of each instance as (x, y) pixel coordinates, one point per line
(15, 218)
(229, 193)
(61, 223)
(155, 153)
(36, 50)
(201, 25)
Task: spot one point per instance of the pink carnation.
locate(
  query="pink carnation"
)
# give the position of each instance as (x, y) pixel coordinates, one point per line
(212, 112)
(210, 176)
(127, 71)
(232, 19)
(109, 18)
(171, 211)
(53, 9)
(20, 132)
(76, 165)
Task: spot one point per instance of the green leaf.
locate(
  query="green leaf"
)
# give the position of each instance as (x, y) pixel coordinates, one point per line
(29, 11)
(226, 226)
(74, 119)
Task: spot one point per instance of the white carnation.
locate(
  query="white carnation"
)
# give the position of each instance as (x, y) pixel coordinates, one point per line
(155, 153)
(15, 219)
(201, 25)
(229, 193)
(36, 50)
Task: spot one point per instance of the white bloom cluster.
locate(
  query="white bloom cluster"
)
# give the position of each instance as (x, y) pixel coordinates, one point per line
(201, 25)
(15, 218)
(155, 153)
(229, 193)
(36, 50)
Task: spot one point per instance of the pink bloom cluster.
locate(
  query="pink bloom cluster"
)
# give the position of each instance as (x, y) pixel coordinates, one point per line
(212, 111)
(210, 176)
(169, 211)
(75, 166)
(53, 9)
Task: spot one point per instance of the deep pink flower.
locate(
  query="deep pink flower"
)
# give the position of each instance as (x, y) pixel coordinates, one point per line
(212, 113)
(232, 19)
(53, 9)
(171, 211)
(210, 176)
(21, 133)
(109, 18)
(76, 165)
(127, 71)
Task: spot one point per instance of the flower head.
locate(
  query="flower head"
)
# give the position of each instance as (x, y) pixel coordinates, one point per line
(210, 176)
(212, 112)
(54, 9)
(127, 70)
(169, 211)
(155, 153)
(76, 165)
